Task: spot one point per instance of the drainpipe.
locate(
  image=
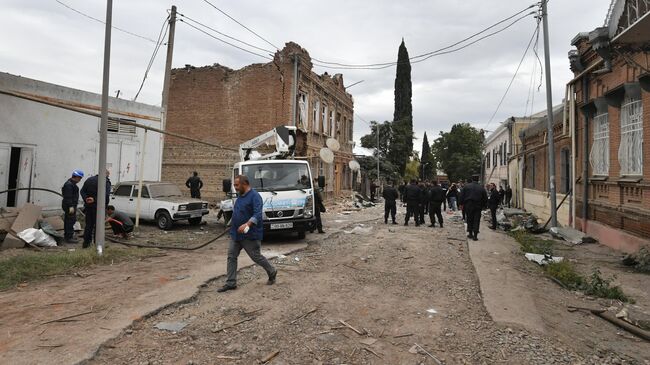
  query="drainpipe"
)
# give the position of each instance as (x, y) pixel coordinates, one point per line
(585, 154)
(294, 90)
(574, 130)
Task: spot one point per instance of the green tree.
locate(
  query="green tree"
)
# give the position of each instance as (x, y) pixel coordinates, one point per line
(401, 142)
(427, 161)
(458, 151)
(387, 170)
(411, 170)
(370, 140)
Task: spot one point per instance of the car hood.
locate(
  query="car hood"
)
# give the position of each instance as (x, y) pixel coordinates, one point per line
(180, 200)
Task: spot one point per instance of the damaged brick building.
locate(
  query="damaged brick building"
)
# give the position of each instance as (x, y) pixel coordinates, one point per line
(225, 106)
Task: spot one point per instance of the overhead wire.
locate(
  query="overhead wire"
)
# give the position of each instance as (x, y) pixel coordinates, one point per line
(435, 51)
(224, 41)
(159, 42)
(241, 24)
(102, 22)
(514, 76)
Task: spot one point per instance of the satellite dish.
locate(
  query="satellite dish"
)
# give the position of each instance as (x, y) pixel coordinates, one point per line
(333, 144)
(354, 165)
(326, 155)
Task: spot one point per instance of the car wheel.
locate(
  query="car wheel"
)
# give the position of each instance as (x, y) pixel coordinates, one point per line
(164, 220)
(302, 234)
(195, 221)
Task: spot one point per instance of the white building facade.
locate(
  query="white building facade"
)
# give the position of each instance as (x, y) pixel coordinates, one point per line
(47, 131)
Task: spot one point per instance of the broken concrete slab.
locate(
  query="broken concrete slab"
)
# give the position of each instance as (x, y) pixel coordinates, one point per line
(543, 259)
(11, 241)
(55, 221)
(171, 326)
(27, 217)
(571, 235)
(509, 212)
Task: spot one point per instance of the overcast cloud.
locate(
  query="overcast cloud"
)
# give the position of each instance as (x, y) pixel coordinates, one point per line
(42, 39)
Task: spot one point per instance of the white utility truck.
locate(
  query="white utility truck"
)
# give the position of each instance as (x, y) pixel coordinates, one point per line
(284, 183)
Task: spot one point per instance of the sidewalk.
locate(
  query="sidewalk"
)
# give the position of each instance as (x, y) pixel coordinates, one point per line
(506, 293)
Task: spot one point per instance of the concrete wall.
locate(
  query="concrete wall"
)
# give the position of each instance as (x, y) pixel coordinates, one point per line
(497, 171)
(62, 140)
(538, 203)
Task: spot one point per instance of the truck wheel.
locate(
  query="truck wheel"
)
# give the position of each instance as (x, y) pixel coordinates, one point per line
(195, 221)
(301, 234)
(164, 220)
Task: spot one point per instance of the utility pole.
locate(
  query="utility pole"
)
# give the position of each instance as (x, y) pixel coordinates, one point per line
(103, 130)
(377, 125)
(167, 80)
(549, 115)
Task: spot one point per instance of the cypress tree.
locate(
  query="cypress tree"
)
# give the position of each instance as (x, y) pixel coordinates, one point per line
(427, 161)
(401, 144)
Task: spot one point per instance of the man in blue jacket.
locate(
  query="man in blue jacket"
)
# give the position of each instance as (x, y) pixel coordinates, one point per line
(70, 193)
(246, 231)
(90, 195)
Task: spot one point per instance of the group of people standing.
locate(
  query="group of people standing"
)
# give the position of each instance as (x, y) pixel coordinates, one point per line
(421, 199)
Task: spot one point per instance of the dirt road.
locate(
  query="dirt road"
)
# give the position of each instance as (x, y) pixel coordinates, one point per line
(382, 294)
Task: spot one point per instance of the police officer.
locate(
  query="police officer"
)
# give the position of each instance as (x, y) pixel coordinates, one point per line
(493, 203)
(70, 192)
(423, 202)
(90, 195)
(436, 198)
(412, 198)
(390, 196)
(473, 198)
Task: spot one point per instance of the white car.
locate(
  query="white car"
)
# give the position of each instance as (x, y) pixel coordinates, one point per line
(161, 202)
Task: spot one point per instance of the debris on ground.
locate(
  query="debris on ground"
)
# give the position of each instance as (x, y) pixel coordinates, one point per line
(37, 237)
(571, 235)
(360, 229)
(543, 259)
(640, 261)
(171, 326)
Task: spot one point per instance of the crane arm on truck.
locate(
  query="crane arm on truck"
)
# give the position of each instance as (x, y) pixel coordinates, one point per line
(282, 137)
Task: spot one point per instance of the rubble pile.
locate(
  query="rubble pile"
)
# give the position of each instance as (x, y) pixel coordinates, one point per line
(26, 226)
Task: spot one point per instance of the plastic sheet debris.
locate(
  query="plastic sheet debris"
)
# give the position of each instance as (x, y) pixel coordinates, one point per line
(37, 237)
(360, 230)
(77, 226)
(171, 326)
(571, 235)
(543, 259)
(432, 311)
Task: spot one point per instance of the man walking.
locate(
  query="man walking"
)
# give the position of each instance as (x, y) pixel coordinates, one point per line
(494, 200)
(246, 231)
(436, 198)
(473, 198)
(412, 198)
(390, 202)
(121, 224)
(70, 192)
(502, 194)
(90, 195)
(423, 202)
(195, 184)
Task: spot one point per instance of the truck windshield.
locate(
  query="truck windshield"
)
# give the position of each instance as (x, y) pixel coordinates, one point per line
(164, 190)
(278, 176)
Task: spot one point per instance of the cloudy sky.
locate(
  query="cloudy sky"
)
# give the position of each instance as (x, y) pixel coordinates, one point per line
(44, 40)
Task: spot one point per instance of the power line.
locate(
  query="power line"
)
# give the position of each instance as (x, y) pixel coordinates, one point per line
(226, 42)
(435, 51)
(224, 34)
(530, 42)
(431, 54)
(159, 42)
(101, 21)
(245, 27)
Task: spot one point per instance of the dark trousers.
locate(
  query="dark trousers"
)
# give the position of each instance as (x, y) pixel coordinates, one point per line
(412, 211)
(473, 217)
(319, 222)
(462, 210)
(435, 211)
(195, 193)
(89, 229)
(252, 248)
(508, 199)
(68, 223)
(493, 212)
(390, 207)
(421, 210)
(119, 227)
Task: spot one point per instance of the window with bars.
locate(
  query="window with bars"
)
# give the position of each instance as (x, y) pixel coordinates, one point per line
(630, 151)
(599, 156)
(118, 127)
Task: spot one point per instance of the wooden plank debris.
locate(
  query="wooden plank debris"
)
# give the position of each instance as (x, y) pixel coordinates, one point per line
(360, 333)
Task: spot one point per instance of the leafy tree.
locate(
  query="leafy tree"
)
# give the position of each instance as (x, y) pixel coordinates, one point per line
(458, 151)
(401, 142)
(411, 170)
(370, 140)
(427, 161)
(387, 170)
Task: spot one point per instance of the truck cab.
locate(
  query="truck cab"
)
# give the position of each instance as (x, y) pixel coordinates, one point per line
(286, 188)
